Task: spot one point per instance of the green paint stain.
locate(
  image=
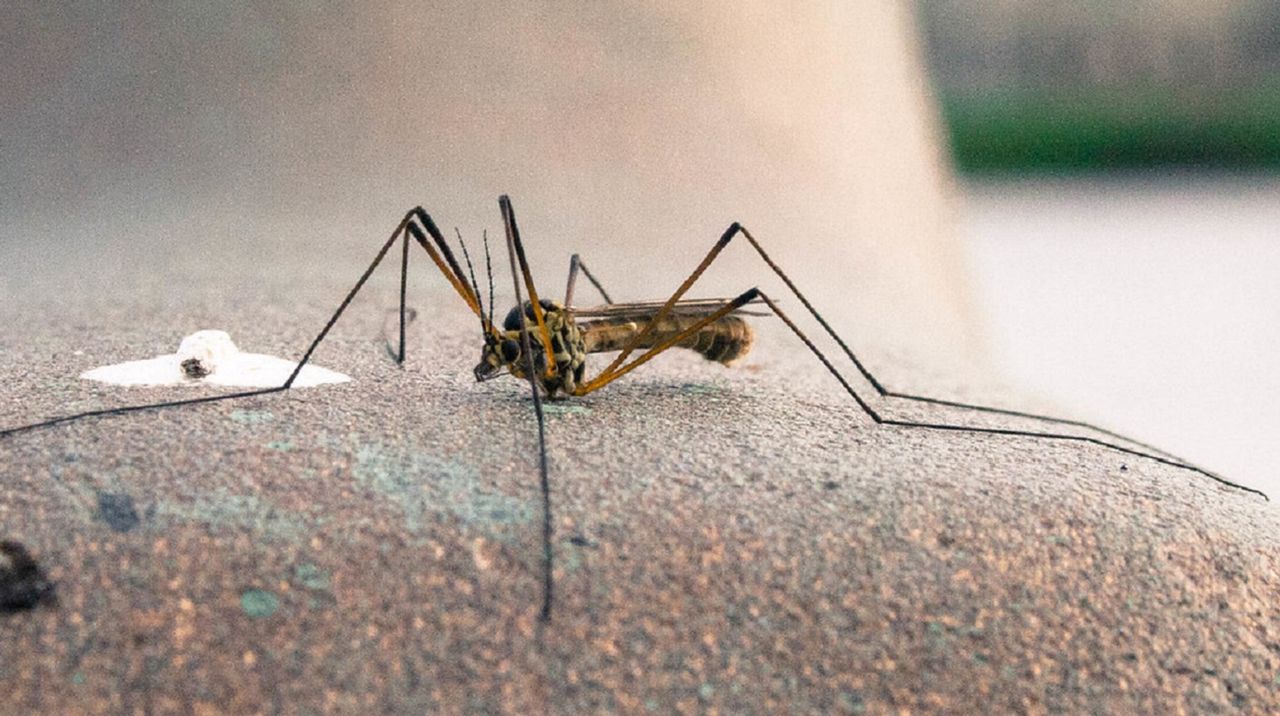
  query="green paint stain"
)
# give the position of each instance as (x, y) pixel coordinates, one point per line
(259, 603)
(77, 678)
(427, 488)
(251, 417)
(571, 558)
(281, 445)
(312, 577)
(706, 691)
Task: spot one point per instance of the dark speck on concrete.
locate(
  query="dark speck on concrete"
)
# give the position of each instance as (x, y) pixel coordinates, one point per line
(23, 584)
(945, 540)
(852, 702)
(118, 511)
(831, 485)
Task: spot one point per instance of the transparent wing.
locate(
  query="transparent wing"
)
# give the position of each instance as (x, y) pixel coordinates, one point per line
(645, 309)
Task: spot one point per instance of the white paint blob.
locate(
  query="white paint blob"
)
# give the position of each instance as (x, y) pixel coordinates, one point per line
(210, 358)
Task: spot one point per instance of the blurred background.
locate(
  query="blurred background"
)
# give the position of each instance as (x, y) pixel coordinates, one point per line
(1119, 200)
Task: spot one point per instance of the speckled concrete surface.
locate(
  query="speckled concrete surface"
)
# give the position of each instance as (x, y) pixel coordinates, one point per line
(736, 541)
(727, 541)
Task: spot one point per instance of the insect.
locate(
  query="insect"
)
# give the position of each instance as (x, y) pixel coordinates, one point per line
(547, 344)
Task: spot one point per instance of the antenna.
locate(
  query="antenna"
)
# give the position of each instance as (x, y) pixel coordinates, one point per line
(488, 267)
(485, 324)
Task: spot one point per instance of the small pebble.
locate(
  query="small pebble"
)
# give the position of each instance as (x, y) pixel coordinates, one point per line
(23, 584)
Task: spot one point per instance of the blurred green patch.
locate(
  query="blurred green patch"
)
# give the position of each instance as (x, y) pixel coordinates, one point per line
(1080, 129)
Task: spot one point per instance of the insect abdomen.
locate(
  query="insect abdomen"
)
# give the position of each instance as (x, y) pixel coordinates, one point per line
(723, 341)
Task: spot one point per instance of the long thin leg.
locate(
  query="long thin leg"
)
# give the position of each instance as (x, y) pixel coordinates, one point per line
(548, 554)
(388, 331)
(516, 247)
(614, 370)
(605, 376)
(576, 263)
(885, 392)
(404, 287)
(443, 258)
(135, 408)
(880, 420)
(405, 225)
(730, 234)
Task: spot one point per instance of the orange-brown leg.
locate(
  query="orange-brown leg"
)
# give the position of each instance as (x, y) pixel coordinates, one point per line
(515, 248)
(514, 252)
(617, 368)
(605, 376)
(602, 380)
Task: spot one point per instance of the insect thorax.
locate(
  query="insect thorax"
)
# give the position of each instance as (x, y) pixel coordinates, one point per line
(567, 347)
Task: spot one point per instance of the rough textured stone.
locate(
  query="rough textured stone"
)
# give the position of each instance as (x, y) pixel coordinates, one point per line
(726, 540)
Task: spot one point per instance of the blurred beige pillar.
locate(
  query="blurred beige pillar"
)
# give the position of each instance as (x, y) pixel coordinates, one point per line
(639, 131)
(631, 132)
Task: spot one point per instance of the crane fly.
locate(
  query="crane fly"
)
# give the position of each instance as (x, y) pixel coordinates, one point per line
(546, 343)
(578, 332)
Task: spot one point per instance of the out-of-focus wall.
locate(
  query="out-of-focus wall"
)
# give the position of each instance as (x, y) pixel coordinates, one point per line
(644, 126)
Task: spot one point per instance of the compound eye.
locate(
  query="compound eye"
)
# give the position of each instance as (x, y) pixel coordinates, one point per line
(510, 351)
(512, 321)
